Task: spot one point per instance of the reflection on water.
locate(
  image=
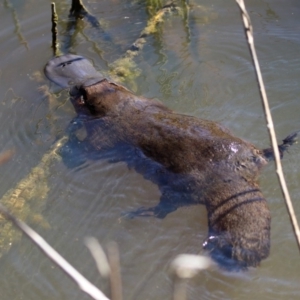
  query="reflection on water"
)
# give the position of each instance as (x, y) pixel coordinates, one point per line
(197, 63)
(16, 22)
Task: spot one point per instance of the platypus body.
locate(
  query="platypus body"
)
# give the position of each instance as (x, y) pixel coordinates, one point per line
(194, 158)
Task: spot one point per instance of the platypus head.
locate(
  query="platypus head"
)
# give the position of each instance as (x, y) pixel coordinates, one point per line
(79, 75)
(91, 93)
(70, 71)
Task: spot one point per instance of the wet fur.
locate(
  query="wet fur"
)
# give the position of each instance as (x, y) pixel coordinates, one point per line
(192, 160)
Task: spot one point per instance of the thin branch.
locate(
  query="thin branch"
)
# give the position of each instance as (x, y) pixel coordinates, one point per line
(179, 288)
(108, 266)
(115, 275)
(54, 20)
(98, 255)
(184, 267)
(270, 125)
(79, 11)
(81, 281)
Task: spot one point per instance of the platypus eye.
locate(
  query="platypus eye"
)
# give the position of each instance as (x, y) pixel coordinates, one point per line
(83, 95)
(81, 100)
(79, 95)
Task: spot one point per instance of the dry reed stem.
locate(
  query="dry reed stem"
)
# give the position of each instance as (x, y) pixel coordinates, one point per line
(99, 256)
(115, 274)
(80, 280)
(179, 288)
(184, 267)
(270, 125)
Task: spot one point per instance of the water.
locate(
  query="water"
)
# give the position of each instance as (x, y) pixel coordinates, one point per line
(198, 64)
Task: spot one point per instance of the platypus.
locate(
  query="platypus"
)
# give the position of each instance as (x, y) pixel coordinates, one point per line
(193, 161)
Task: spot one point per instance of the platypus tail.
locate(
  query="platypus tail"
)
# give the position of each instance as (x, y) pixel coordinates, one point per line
(287, 142)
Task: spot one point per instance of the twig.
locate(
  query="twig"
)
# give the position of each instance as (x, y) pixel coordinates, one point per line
(77, 9)
(184, 267)
(81, 281)
(115, 275)
(107, 266)
(77, 12)
(98, 255)
(270, 125)
(179, 289)
(185, 19)
(54, 19)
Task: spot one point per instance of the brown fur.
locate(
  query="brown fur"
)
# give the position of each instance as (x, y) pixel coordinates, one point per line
(201, 159)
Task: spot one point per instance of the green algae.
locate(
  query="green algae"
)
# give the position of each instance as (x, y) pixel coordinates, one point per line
(125, 67)
(27, 199)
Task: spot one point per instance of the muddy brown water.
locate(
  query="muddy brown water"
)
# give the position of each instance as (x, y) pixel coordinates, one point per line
(198, 65)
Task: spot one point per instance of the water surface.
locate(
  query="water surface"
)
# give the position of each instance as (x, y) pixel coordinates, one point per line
(197, 64)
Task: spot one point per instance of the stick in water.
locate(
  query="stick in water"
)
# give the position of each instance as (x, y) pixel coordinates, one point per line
(54, 20)
(81, 281)
(270, 125)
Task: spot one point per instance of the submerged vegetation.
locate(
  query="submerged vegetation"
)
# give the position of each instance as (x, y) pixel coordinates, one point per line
(26, 200)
